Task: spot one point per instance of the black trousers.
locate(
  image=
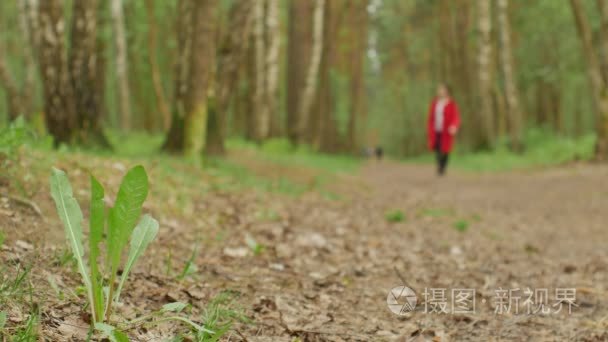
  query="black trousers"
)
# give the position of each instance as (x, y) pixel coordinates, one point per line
(442, 158)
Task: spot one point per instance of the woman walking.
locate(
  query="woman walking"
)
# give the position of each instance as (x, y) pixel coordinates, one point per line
(443, 124)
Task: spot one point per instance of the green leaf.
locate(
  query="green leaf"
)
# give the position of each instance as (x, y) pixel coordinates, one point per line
(123, 216)
(197, 327)
(96, 224)
(174, 307)
(71, 216)
(111, 333)
(142, 235)
(2, 319)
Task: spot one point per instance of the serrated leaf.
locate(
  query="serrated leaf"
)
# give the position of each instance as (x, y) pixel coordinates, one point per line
(174, 307)
(96, 225)
(71, 216)
(127, 209)
(143, 234)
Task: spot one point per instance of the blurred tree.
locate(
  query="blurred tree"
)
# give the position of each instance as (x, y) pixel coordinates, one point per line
(83, 63)
(305, 49)
(161, 101)
(201, 85)
(59, 106)
(514, 116)
(594, 72)
(231, 54)
(174, 141)
(122, 67)
(357, 40)
(485, 118)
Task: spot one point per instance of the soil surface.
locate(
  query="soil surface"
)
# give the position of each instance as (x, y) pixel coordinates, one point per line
(325, 267)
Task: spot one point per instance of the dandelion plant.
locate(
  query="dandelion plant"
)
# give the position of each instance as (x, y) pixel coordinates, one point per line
(119, 226)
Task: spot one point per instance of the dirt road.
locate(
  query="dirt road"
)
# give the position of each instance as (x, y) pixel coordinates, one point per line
(327, 265)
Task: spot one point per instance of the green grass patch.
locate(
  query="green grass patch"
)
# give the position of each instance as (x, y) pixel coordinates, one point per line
(395, 216)
(461, 225)
(542, 149)
(280, 151)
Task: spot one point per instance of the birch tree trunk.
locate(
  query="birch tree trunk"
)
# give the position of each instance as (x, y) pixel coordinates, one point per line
(485, 119)
(261, 114)
(83, 63)
(273, 41)
(161, 100)
(307, 98)
(184, 32)
(514, 115)
(201, 84)
(122, 72)
(594, 73)
(59, 107)
(358, 24)
(299, 56)
(231, 55)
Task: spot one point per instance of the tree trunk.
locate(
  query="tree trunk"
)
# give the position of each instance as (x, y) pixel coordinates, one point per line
(485, 113)
(29, 50)
(602, 6)
(303, 117)
(299, 56)
(358, 24)
(174, 141)
(59, 107)
(273, 41)
(232, 53)
(161, 100)
(261, 111)
(514, 115)
(14, 98)
(324, 129)
(122, 68)
(201, 85)
(83, 63)
(594, 73)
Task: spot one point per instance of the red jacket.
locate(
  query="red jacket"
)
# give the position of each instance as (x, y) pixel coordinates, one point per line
(451, 117)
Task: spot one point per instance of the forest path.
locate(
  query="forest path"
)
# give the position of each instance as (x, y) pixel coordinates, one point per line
(543, 230)
(329, 262)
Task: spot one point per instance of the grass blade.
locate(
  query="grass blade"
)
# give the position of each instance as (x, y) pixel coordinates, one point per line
(2, 319)
(143, 234)
(96, 225)
(71, 216)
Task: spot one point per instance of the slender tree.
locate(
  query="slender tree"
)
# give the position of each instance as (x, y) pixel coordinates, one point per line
(161, 101)
(485, 119)
(201, 76)
(358, 26)
(514, 116)
(83, 63)
(59, 106)
(299, 57)
(272, 38)
(231, 54)
(304, 118)
(174, 141)
(594, 73)
(122, 66)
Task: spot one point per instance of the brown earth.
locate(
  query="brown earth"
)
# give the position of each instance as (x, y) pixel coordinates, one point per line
(328, 264)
